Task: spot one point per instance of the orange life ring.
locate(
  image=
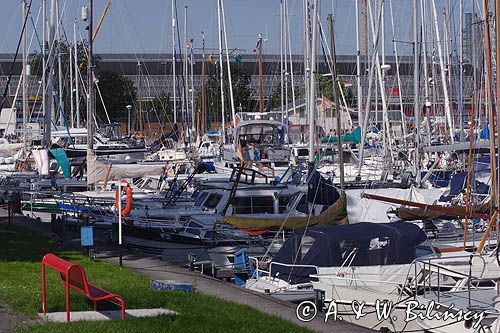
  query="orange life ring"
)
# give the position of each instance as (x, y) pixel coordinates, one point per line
(137, 134)
(128, 190)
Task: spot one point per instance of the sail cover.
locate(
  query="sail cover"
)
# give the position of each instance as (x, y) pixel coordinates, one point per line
(335, 214)
(320, 190)
(375, 244)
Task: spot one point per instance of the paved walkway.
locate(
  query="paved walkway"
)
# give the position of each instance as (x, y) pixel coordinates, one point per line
(157, 269)
(10, 321)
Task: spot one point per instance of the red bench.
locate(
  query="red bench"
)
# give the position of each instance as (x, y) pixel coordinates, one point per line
(73, 277)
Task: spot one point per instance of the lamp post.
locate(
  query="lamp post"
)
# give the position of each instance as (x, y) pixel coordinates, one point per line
(129, 109)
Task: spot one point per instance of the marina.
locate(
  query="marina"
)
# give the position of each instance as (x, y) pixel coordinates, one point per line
(337, 172)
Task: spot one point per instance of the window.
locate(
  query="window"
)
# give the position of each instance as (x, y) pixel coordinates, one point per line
(212, 200)
(201, 199)
(253, 205)
(76, 188)
(242, 205)
(305, 246)
(262, 205)
(193, 228)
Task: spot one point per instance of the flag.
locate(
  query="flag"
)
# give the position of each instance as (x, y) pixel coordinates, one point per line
(394, 91)
(347, 84)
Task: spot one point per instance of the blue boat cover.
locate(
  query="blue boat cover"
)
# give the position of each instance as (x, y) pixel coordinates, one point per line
(376, 244)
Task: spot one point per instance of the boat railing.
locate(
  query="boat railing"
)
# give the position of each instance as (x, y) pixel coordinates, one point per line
(344, 276)
(258, 272)
(465, 282)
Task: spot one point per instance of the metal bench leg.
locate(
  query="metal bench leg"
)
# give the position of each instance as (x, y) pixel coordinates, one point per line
(67, 300)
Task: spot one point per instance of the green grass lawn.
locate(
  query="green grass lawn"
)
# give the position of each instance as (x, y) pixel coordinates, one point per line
(20, 287)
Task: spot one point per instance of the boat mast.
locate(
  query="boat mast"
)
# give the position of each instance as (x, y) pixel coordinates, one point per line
(77, 84)
(230, 81)
(398, 76)
(497, 9)
(44, 64)
(221, 73)
(203, 87)
(423, 10)
(358, 65)
(416, 86)
(443, 74)
(49, 109)
(336, 99)
(312, 86)
(191, 78)
(24, 76)
(90, 78)
(60, 104)
(289, 43)
(174, 79)
(307, 48)
(491, 113)
(261, 95)
(282, 68)
(185, 72)
(71, 92)
(461, 67)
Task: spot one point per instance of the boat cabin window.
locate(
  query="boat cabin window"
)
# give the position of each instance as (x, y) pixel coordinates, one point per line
(307, 242)
(75, 188)
(302, 152)
(365, 252)
(201, 199)
(259, 134)
(213, 200)
(253, 205)
(194, 228)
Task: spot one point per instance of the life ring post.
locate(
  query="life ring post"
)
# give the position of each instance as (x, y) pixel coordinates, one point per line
(122, 212)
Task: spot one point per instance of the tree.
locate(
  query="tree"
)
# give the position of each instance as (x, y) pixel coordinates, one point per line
(325, 88)
(242, 93)
(162, 108)
(117, 92)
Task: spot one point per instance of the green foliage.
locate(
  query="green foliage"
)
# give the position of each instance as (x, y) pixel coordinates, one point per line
(242, 92)
(117, 92)
(325, 88)
(20, 287)
(162, 108)
(275, 98)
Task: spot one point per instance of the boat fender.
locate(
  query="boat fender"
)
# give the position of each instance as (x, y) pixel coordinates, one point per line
(128, 191)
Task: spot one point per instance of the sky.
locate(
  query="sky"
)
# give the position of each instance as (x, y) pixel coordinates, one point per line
(144, 26)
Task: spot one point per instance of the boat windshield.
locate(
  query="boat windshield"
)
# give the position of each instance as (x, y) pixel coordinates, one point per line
(201, 199)
(212, 201)
(259, 134)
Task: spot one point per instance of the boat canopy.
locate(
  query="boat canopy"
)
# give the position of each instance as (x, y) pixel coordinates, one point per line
(360, 244)
(354, 137)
